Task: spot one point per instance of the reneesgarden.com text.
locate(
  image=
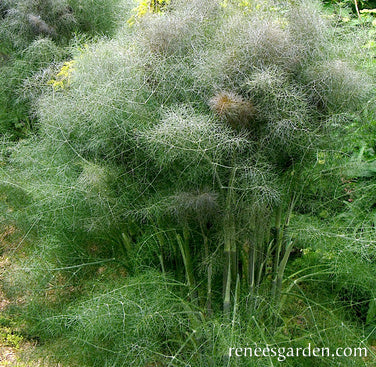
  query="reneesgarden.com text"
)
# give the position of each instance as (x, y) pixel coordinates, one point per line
(286, 352)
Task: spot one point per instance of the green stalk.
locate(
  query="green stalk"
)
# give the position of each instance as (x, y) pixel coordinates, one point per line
(278, 247)
(252, 270)
(281, 271)
(236, 301)
(186, 255)
(234, 260)
(245, 262)
(289, 210)
(160, 257)
(235, 310)
(227, 298)
(209, 290)
(263, 263)
(279, 238)
(210, 272)
(230, 267)
(126, 244)
(259, 253)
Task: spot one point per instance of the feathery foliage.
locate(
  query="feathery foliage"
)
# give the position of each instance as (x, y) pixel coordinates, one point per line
(189, 143)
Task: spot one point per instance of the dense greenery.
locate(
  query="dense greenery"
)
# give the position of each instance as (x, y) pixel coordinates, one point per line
(186, 177)
(34, 40)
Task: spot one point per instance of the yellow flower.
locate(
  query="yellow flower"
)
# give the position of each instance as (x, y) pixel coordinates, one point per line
(146, 6)
(62, 79)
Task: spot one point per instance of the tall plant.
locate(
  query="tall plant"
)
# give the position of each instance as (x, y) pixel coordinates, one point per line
(194, 123)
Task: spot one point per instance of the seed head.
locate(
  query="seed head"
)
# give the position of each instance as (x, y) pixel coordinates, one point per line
(233, 109)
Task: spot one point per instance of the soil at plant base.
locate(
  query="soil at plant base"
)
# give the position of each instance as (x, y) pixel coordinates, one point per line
(10, 355)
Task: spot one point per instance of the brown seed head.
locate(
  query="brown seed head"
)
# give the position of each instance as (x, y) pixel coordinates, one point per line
(233, 109)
